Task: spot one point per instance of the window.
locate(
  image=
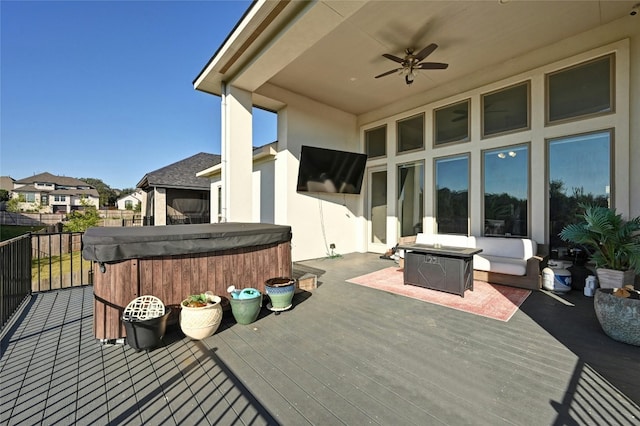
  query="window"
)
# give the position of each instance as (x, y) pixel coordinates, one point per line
(583, 90)
(59, 198)
(452, 195)
(579, 172)
(506, 110)
(378, 212)
(128, 204)
(451, 123)
(410, 198)
(411, 133)
(30, 197)
(375, 141)
(506, 191)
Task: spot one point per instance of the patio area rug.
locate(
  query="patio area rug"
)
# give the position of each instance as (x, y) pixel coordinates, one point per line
(488, 300)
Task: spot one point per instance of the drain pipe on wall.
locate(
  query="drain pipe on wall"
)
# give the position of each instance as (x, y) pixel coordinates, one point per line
(223, 139)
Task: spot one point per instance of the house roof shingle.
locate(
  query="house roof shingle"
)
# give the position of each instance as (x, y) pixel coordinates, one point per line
(70, 186)
(182, 174)
(57, 180)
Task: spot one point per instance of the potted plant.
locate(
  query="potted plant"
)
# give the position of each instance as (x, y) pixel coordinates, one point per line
(618, 312)
(614, 244)
(200, 315)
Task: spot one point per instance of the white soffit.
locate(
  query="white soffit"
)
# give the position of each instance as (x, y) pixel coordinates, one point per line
(330, 51)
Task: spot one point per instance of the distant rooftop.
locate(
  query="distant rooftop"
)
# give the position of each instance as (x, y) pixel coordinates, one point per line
(181, 174)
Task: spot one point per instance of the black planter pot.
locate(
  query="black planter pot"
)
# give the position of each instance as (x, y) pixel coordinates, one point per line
(146, 334)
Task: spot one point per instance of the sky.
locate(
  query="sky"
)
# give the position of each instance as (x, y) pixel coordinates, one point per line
(104, 89)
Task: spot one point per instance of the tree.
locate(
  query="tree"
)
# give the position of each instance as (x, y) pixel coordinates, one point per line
(81, 220)
(108, 196)
(13, 205)
(4, 195)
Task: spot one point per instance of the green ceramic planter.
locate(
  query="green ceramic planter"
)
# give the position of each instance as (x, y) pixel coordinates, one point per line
(280, 291)
(246, 311)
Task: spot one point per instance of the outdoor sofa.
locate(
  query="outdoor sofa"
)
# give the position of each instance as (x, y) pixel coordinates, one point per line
(508, 261)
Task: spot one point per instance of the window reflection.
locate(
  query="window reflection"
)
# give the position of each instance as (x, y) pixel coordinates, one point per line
(582, 90)
(452, 195)
(506, 191)
(506, 110)
(410, 198)
(452, 123)
(579, 172)
(376, 142)
(411, 133)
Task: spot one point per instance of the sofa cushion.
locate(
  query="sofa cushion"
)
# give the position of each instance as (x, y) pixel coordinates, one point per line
(448, 240)
(518, 248)
(501, 265)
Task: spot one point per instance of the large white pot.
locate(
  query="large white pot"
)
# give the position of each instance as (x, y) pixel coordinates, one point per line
(202, 322)
(610, 278)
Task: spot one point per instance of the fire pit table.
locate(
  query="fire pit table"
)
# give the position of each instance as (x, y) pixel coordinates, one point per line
(172, 262)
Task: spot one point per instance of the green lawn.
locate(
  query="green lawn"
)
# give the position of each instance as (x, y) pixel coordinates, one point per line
(11, 231)
(59, 265)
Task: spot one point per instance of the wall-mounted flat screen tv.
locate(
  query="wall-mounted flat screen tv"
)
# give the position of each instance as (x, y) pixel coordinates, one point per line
(328, 170)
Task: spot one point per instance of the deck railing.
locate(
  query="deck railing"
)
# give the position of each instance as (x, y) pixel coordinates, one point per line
(40, 262)
(15, 275)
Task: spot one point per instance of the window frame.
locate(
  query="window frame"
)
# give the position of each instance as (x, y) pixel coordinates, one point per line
(612, 91)
(483, 96)
(366, 146)
(547, 158)
(467, 138)
(461, 155)
(422, 146)
(483, 189)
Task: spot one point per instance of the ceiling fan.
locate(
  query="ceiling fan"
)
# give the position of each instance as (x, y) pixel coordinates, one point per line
(410, 63)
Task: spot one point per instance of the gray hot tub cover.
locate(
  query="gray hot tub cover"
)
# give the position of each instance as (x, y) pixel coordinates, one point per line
(111, 244)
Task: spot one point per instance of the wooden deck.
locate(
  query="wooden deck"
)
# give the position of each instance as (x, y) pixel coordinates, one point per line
(344, 354)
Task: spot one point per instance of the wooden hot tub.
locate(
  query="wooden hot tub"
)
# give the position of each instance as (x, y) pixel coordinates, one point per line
(172, 262)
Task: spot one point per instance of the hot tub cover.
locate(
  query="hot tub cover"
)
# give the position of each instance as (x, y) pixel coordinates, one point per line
(111, 244)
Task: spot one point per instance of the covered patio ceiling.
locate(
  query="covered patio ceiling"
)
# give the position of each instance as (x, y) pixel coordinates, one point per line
(330, 51)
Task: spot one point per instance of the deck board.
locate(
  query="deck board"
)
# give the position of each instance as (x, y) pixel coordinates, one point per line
(344, 354)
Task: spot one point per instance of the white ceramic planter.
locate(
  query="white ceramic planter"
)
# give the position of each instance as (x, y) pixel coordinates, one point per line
(200, 323)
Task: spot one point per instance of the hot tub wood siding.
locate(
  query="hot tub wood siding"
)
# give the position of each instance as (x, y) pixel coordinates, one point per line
(173, 278)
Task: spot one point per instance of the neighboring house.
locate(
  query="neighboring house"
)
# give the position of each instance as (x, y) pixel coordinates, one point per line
(535, 111)
(47, 193)
(175, 195)
(130, 201)
(6, 183)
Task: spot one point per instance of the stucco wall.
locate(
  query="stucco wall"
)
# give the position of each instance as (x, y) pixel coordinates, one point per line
(317, 220)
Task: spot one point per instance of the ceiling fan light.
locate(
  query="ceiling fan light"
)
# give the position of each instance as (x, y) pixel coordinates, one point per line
(408, 78)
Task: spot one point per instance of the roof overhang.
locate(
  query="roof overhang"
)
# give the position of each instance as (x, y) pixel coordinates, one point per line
(261, 153)
(330, 51)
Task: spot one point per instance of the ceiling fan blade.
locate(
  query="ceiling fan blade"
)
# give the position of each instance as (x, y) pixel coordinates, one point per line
(426, 51)
(432, 66)
(388, 72)
(393, 58)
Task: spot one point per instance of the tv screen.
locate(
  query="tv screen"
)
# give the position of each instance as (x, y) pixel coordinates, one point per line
(328, 170)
